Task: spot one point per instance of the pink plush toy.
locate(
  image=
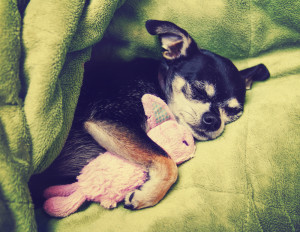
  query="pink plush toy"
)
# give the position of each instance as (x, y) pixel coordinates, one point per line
(108, 178)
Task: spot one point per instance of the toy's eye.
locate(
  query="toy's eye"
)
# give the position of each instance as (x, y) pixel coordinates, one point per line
(185, 142)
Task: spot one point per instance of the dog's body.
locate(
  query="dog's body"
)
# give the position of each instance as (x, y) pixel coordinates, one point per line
(204, 91)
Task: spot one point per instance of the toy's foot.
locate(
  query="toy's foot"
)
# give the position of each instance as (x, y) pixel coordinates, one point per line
(161, 177)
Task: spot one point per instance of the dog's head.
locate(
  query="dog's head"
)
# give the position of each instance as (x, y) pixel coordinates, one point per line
(205, 91)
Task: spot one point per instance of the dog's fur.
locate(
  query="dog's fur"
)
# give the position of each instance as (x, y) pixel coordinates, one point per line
(205, 91)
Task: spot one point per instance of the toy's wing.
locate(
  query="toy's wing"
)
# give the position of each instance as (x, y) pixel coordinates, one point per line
(156, 110)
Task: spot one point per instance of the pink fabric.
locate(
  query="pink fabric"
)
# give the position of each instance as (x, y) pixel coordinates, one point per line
(112, 189)
(156, 110)
(176, 140)
(108, 178)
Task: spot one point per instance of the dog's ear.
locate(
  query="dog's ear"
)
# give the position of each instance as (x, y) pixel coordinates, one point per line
(174, 39)
(255, 73)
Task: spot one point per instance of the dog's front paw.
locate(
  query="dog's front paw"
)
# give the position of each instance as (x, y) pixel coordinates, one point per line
(139, 199)
(131, 201)
(161, 178)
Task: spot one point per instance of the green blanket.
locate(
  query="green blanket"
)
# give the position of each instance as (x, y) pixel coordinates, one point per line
(42, 51)
(246, 180)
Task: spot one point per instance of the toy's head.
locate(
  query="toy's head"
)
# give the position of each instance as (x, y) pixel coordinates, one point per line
(163, 129)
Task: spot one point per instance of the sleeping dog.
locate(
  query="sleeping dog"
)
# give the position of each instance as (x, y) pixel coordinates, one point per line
(204, 91)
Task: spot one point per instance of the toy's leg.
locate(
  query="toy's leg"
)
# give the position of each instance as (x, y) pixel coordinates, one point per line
(64, 206)
(134, 145)
(60, 190)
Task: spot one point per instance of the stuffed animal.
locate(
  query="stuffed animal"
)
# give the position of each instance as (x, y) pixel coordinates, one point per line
(108, 178)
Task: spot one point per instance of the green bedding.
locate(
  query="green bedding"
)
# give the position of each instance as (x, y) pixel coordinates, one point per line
(246, 180)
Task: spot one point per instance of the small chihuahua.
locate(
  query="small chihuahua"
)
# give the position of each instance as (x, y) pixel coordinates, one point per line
(204, 91)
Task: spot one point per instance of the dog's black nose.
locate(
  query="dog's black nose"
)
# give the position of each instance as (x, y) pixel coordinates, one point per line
(210, 121)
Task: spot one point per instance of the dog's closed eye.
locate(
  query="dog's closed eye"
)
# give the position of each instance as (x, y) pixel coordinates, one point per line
(232, 111)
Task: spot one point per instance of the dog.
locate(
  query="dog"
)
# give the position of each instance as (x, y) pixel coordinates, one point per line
(205, 91)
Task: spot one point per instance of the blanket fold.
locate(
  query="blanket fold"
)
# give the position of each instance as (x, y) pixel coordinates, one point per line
(43, 48)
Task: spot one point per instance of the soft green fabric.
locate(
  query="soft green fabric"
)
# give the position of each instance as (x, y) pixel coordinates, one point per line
(246, 180)
(42, 51)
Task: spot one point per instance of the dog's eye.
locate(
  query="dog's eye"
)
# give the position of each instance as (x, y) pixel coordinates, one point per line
(199, 95)
(232, 114)
(232, 111)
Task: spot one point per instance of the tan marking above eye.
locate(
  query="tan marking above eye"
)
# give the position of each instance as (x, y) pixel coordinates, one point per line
(233, 103)
(210, 89)
(178, 83)
(207, 87)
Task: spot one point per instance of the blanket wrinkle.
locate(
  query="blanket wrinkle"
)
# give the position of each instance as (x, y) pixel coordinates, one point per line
(212, 189)
(280, 197)
(93, 23)
(251, 28)
(251, 208)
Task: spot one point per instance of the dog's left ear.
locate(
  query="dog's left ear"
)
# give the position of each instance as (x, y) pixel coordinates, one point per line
(255, 73)
(176, 41)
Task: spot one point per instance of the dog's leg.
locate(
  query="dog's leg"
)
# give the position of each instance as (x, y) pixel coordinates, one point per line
(134, 145)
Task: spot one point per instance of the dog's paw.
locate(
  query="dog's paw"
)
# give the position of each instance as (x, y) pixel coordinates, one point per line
(129, 202)
(139, 199)
(161, 178)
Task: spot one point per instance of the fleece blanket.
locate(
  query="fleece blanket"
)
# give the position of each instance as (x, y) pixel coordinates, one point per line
(246, 180)
(43, 45)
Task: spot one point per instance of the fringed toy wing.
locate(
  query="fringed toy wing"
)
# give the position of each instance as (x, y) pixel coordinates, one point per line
(156, 110)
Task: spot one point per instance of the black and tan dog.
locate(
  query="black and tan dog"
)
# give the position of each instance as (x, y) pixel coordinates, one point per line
(205, 91)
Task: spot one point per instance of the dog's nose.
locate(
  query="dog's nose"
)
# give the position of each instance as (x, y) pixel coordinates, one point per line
(210, 121)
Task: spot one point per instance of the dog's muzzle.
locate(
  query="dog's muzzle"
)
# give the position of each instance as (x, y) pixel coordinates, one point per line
(210, 122)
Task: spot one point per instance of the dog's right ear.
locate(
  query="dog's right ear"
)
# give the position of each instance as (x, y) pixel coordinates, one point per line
(255, 73)
(176, 41)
